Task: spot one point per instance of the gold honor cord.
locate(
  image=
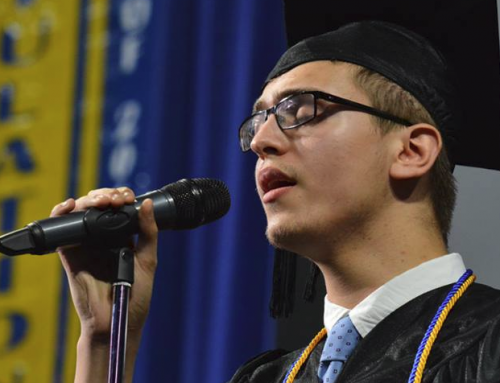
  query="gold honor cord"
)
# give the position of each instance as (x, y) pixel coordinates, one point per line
(426, 345)
(421, 359)
(292, 373)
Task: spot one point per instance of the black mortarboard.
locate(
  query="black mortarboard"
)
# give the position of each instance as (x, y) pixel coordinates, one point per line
(466, 36)
(464, 31)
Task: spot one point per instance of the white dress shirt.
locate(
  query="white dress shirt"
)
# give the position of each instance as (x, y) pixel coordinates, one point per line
(401, 289)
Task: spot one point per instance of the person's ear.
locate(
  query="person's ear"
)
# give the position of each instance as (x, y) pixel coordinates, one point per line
(417, 149)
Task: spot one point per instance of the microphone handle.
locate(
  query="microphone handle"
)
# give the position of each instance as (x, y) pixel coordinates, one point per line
(94, 227)
(104, 228)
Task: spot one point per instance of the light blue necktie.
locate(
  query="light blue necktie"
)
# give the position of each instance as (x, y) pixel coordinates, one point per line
(341, 341)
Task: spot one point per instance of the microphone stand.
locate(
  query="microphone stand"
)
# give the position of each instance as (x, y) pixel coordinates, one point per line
(123, 280)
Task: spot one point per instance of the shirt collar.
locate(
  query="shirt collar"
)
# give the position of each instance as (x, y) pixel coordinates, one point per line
(398, 291)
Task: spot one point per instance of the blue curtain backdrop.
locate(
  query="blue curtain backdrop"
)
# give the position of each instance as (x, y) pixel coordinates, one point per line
(180, 78)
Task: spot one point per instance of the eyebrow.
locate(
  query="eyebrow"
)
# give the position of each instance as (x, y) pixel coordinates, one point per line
(280, 95)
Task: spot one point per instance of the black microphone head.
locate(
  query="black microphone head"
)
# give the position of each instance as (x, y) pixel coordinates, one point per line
(198, 201)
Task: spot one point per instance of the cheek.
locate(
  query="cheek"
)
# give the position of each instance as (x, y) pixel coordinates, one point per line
(327, 159)
(341, 172)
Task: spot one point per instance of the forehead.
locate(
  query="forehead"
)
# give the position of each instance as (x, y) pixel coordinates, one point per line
(327, 76)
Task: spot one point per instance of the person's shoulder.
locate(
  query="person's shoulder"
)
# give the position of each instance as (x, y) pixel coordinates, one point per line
(481, 309)
(483, 299)
(486, 290)
(467, 348)
(265, 367)
(478, 308)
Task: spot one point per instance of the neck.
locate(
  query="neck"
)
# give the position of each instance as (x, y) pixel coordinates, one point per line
(356, 265)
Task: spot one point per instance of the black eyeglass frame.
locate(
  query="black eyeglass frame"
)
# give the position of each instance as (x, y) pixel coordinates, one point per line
(324, 96)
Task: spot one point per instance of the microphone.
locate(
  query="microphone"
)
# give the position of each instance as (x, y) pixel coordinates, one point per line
(185, 204)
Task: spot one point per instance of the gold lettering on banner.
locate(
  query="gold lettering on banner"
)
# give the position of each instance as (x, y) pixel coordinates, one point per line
(38, 45)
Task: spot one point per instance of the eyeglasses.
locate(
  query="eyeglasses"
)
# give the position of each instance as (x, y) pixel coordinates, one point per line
(300, 108)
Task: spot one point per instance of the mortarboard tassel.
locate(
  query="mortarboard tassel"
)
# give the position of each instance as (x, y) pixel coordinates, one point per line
(283, 293)
(310, 287)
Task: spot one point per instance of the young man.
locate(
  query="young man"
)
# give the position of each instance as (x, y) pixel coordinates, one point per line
(350, 132)
(367, 195)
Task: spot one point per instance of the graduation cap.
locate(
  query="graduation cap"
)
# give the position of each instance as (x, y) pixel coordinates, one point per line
(464, 32)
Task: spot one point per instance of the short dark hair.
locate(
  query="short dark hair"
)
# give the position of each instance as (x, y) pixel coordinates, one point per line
(391, 98)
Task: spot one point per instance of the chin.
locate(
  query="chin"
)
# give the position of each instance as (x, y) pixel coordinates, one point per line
(287, 237)
(308, 237)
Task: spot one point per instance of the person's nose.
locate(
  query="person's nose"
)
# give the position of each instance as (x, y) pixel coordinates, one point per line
(270, 139)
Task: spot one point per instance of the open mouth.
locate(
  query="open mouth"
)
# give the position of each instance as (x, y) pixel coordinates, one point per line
(276, 184)
(271, 179)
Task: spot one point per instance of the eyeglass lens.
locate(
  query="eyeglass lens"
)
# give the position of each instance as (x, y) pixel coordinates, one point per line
(290, 113)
